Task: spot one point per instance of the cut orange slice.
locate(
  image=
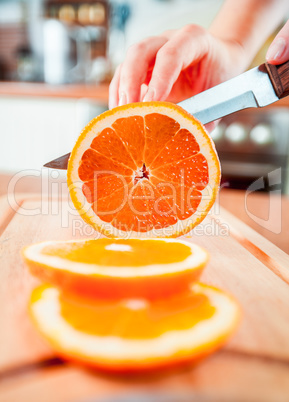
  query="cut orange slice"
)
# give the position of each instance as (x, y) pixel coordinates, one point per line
(144, 170)
(114, 268)
(135, 334)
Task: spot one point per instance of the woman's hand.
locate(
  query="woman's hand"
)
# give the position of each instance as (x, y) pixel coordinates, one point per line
(178, 64)
(174, 66)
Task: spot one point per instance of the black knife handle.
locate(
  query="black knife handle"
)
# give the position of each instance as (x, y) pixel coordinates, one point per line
(279, 76)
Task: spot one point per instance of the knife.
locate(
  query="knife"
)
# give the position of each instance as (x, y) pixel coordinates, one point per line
(257, 87)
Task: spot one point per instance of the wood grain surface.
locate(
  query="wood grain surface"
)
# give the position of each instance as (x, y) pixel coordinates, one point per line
(279, 76)
(254, 365)
(223, 377)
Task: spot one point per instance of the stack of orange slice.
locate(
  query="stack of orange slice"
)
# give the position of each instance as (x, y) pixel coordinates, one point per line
(140, 173)
(128, 305)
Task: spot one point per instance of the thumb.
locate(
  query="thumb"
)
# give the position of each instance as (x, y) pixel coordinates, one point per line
(278, 51)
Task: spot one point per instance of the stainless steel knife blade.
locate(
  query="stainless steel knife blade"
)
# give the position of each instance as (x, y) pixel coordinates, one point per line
(250, 89)
(257, 87)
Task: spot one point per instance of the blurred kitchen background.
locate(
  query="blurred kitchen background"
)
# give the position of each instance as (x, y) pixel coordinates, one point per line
(58, 56)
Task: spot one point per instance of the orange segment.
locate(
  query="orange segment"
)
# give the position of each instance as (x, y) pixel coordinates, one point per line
(166, 161)
(126, 221)
(93, 163)
(135, 334)
(121, 253)
(107, 207)
(183, 201)
(146, 209)
(107, 142)
(190, 172)
(136, 318)
(160, 213)
(159, 129)
(113, 268)
(182, 146)
(105, 185)
(110, 207)
(131, 131)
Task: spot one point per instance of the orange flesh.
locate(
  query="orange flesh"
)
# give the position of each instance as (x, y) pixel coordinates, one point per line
(120, 253)
(144, 173)
(136, 319)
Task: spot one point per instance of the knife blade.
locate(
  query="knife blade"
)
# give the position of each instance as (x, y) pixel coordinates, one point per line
(250, 89)
(58, 163)
(257, 87)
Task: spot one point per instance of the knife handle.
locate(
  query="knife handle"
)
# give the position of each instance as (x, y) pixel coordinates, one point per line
(279, 76)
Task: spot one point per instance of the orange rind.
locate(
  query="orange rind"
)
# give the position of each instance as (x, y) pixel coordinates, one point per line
(117, 268)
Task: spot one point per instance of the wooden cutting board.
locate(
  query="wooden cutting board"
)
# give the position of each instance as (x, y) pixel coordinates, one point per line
(254, 365)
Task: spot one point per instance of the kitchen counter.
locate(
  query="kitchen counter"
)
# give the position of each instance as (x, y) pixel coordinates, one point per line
(99, 92)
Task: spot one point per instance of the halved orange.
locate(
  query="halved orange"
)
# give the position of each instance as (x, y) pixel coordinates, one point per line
(114, 268)
(135, 334)
(144, 170)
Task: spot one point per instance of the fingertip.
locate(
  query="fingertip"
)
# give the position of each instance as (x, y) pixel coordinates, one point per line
(276, 52)
(150, 95)
(143, 91)
(158, 89)
(122, 99)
